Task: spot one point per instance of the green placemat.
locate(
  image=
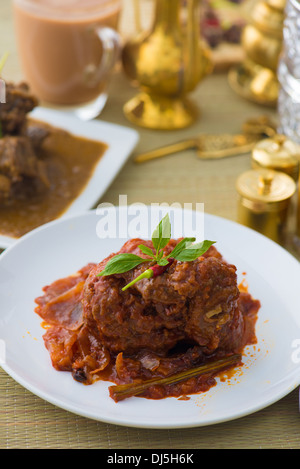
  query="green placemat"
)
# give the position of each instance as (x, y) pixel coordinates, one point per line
(26, 421)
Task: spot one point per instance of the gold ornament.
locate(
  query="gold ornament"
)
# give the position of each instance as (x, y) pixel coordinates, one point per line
(166, 63)
(256, 77)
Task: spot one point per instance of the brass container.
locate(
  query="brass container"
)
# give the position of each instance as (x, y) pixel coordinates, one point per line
(278, 153)
(264, 202)
(298, 213)
(166, 63)
(261, 49)
(262, 39)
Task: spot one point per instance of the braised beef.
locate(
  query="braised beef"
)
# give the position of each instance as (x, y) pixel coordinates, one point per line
(23, 171)
(13, 113)
(155, 314)
(192, 314)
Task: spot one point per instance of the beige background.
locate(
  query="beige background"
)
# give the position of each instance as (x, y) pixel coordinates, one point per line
(26, 421)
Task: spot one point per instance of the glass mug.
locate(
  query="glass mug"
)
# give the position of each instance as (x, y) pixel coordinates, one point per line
(68, 49)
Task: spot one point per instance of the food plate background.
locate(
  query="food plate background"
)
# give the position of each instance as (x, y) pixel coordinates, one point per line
(120, 140)
(62, 247)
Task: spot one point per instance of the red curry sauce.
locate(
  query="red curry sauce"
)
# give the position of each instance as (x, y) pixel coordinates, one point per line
(76, 344)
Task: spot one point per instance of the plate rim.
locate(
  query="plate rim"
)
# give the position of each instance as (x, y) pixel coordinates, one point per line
(113, 420)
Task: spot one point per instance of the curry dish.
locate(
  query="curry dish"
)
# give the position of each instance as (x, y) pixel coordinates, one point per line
(151, 335)
(43, 169)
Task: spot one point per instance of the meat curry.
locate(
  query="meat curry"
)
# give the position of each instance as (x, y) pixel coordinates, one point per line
(148, 338)
(43, 169)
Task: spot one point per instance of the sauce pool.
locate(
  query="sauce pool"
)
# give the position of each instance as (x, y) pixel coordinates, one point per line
(70, 162)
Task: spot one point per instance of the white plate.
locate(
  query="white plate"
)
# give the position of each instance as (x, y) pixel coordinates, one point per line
(120, 140)
(62, 247)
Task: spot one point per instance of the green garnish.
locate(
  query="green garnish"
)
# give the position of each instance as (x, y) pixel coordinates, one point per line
(184, 251)
(3, 60)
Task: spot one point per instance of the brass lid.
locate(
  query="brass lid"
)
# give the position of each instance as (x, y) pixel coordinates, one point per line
(278, 153)
(265, 186)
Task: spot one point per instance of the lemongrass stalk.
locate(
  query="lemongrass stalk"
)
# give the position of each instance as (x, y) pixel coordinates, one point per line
(123, 391)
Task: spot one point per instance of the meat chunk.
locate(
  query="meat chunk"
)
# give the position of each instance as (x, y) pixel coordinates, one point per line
(19, 102)
(192, 302)
(5, 187)
(191, 315)
(17, 159)
(19, 167)
(21, 171)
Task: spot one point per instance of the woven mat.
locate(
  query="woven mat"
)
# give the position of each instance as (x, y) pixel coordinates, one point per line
(26, 421)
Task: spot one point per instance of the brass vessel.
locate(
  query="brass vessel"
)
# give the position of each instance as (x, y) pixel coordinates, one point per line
(256, 78)
(298, 216)
(278, 153)
(264, 202)
(166, 63)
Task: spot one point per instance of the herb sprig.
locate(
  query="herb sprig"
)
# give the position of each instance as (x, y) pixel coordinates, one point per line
(185, 251)
(3, 60)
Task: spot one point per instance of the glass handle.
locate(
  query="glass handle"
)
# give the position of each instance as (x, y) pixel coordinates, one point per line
(111, 44)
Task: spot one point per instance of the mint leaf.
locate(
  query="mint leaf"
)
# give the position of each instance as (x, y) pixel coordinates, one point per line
(146, 250)
(121, 263)
(183, 244)
(162, 234)
(193, 251)
(163, 261)
(159, 255)
(184, 251)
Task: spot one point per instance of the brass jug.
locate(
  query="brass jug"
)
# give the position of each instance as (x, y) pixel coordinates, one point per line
(166, 63)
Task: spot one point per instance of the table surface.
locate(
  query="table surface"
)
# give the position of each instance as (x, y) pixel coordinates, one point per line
(26, 421)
